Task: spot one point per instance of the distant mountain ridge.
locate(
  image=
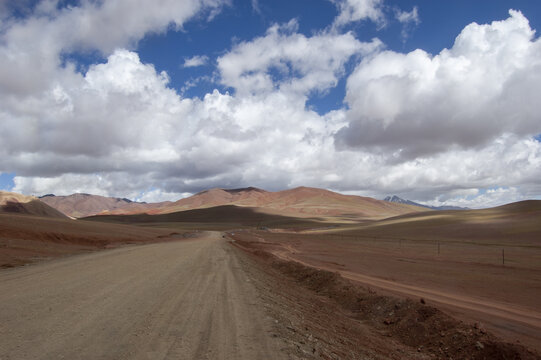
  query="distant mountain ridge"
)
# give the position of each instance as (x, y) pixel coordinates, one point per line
(82, 204)
(398, 200)
(303, 202)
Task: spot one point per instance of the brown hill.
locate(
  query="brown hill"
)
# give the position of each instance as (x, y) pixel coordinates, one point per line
(81, 205)
(28, 205)
(299, 202)
(215, 197)
(511, 224)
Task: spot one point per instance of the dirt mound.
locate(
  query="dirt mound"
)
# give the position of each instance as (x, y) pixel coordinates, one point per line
(414, 324)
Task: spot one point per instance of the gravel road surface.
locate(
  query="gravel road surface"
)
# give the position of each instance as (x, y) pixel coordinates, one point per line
(187, 299)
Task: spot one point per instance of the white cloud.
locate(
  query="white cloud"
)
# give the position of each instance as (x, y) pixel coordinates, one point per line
(509, 161)
(157, 195)
(356, 10)
(31, 49)
(198, 60)
(487, 198)
(119, 109)
(408, 19)
(110, 24)
(415, 104)
(62, 185)
(59, 126)
(290, 61)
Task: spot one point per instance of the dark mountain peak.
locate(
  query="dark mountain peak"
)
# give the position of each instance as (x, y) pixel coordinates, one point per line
(399, 200)
(396, 199)
(47, 195)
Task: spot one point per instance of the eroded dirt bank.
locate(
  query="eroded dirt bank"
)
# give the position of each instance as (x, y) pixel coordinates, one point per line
(335, 318)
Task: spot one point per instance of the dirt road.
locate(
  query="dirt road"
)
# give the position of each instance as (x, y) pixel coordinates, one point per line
(182, 300)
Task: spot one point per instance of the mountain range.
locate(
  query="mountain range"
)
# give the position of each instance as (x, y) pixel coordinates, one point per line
(82, 205)
(398, 200)
(300, 202)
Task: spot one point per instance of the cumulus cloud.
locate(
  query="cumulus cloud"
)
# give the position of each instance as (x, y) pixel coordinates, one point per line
(121, 107)
(110, 24)
(60, 124)
(120, 128)
(356, 10)
(451, 177)
(32, 49)
(195, 61)
(287, 60)
(415, 104)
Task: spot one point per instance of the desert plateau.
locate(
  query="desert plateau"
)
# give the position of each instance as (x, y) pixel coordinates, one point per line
(270, 179)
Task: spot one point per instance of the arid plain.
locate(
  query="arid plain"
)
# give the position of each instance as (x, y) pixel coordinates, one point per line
(245, 273)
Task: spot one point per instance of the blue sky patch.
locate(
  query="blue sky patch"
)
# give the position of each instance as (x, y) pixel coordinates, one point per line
(6, 181)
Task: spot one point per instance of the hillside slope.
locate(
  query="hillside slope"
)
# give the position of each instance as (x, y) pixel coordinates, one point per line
(28, 205)
(299, 202)
(515, 223)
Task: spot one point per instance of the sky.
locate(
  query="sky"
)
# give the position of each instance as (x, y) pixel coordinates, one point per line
(434, 101)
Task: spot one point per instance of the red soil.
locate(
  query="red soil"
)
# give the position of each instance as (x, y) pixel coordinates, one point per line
(25, 239)
(466, 290)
